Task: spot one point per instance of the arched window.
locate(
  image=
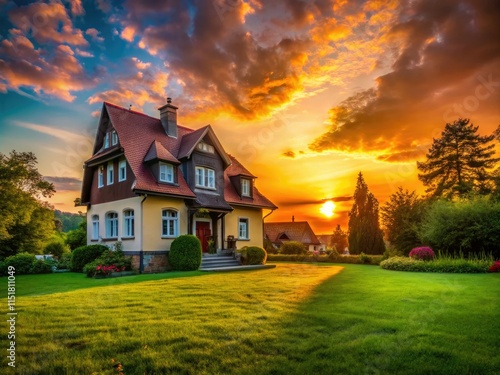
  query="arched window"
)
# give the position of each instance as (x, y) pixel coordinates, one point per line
(128, 223)
(95, 227)
(112, 225)
(170, 223)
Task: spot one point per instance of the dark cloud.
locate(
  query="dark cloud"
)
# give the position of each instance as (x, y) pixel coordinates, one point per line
(64, 183)
(289, 154)
(298, 202)
(446, 51)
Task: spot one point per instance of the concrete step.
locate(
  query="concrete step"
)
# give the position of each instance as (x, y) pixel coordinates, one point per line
(218, 262)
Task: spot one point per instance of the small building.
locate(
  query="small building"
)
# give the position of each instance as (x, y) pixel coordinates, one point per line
(280, 232)
(150, 180)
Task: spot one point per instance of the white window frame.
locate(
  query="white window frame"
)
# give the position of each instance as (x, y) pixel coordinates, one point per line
(114, 138)
(110, 174)
(95, 227)
(202, 146)
(171, 223)
(122, 170)
(100, 176)
(111, 224)
(106, 140)
(128, 223)
(166, 173)
(245, 187)
(245, 233)
(205, 178)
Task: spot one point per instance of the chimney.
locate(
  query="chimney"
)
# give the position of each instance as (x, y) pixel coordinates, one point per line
(168, 117)
(293, 219)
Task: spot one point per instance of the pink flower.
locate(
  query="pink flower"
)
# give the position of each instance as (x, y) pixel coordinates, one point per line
(422, 253)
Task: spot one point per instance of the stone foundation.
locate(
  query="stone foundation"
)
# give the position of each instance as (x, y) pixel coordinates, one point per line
(153, 261)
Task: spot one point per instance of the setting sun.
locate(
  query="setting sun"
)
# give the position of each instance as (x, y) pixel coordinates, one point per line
(328, 208)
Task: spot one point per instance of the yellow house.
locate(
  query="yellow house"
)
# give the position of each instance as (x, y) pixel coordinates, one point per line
(150, 180)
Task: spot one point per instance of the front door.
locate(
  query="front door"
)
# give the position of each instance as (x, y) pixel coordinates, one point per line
(203, 232)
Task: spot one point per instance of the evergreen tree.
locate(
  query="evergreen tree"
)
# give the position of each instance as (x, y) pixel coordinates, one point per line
(339, 239)
(365, 234)
(458, 163)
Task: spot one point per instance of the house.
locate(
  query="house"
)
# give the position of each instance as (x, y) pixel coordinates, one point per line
(325, 240)
(281, 232)
(150, 180)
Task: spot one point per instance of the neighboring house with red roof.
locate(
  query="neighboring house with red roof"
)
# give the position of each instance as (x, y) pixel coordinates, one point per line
(280, 232)
(150, 180)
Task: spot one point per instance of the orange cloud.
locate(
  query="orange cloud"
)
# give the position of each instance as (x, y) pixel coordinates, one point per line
(47, 23)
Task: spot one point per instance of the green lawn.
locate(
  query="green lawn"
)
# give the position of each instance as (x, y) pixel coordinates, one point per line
(294, 319)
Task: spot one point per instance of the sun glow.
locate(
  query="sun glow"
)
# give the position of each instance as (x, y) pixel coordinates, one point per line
(328, 208)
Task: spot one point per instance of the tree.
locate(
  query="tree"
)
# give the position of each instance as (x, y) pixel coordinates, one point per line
(402, 216)
(339, 239)
(77, 237)
(365, 234)
(458, 163)
(26, 222)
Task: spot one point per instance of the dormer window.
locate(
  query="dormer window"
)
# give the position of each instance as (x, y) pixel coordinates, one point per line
(106, 140)
(245, 187)
(205, 177)
(114, 138)
(202, 146)
(166, 172)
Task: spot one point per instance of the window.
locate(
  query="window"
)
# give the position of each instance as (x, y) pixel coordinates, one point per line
(112, 225)
(114, 138)
(100, 179)
(166, 172)
(202, 146)
(95, 227)
(128, 223)
(245, 187)
(243, 229)
(111, 173)
(205, 177)
(106, 140)
(122, 170)
(170, 223)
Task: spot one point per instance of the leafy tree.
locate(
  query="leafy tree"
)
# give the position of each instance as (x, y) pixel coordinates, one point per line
(339, 239)
(458, 163)
(365, 234)
(77, 237)
(26, 222)
(402, 216)
(70, 221)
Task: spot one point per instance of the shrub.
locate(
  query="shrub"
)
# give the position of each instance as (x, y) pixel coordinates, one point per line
(56, 248)
(422, 253)
(293, 247)
(185, 253)
(351, 259)
(334, 255)
(109, 261)
(443, 265)
(65, 262)
(495, 267)
(253, 255)
(365, 259)
(85, 254)
(42, 266)
(22, 262)
(77, 237)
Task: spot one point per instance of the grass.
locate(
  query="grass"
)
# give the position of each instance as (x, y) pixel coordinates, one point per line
(294, 319)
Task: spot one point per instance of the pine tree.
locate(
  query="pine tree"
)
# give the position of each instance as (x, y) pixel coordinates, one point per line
(458, 163)
(339, 239)
(365, 234)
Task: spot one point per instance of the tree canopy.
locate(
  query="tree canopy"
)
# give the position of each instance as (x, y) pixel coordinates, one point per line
(339, 239)
(26, 222)
(459, 162)
(365, 234)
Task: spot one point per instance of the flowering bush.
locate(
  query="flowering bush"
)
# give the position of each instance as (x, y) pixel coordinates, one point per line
(422, 253)
(106, 270)
(495, 267)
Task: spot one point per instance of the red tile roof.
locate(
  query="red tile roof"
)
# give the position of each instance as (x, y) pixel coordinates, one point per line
(299, 231)
(143, 138)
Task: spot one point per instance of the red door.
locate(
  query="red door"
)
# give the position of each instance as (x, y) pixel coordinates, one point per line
(203, 232)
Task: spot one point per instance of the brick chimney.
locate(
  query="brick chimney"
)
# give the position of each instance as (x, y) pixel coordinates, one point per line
(293, 219)
(168, 117)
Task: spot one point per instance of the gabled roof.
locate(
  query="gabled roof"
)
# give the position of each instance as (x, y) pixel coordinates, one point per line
(158, 152)
(299, 231)
(189, 142)
(142, 138)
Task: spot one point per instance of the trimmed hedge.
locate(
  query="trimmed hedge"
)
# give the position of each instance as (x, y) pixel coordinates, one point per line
(293, 247)
(251, 255)
(443, 265)
(185, 253)
(85, 254)
(351, 259)
(25, 264)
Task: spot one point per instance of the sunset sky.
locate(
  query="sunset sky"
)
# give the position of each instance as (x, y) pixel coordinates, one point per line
(306, 94)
